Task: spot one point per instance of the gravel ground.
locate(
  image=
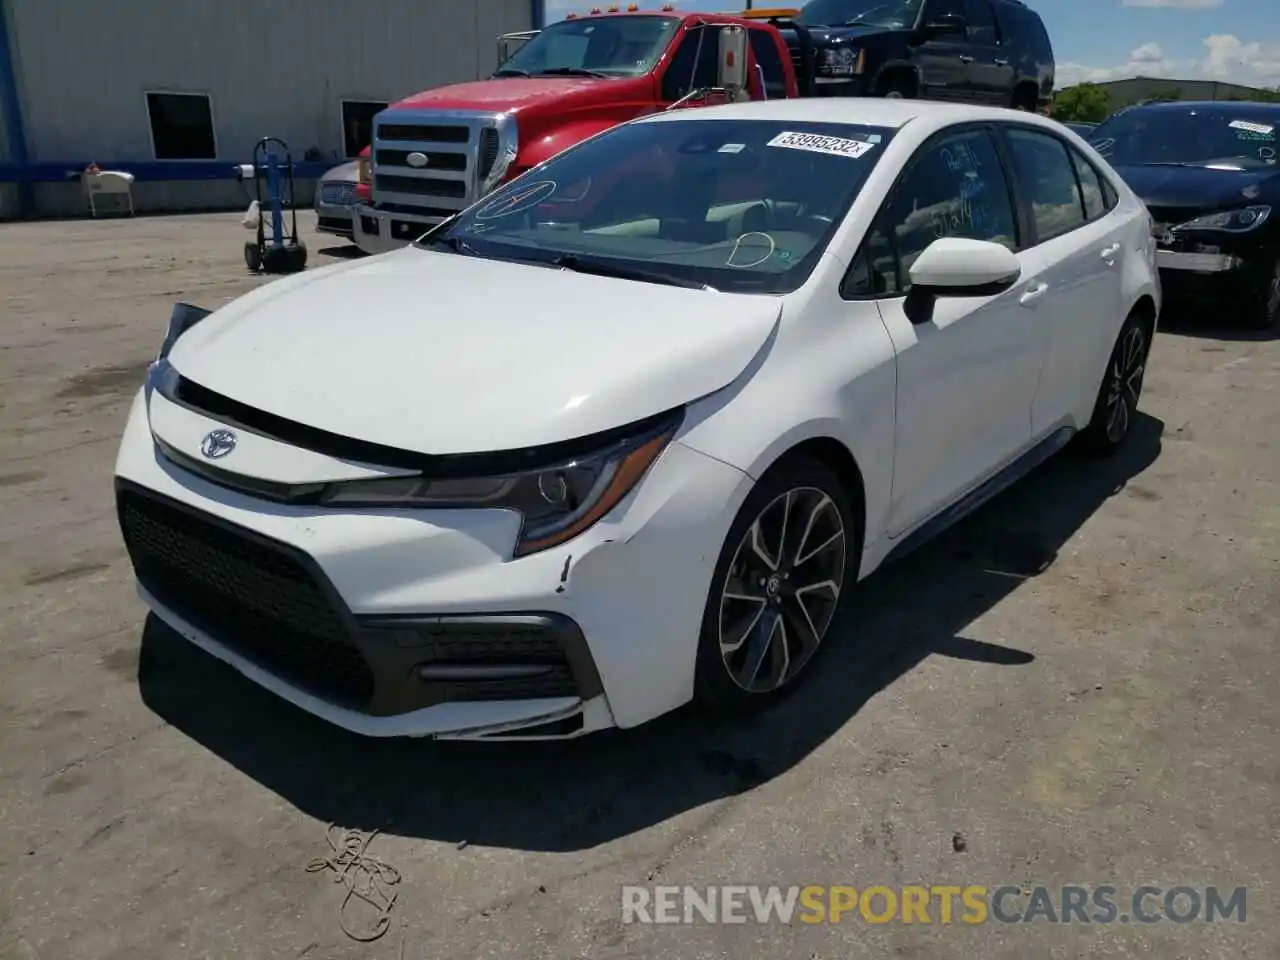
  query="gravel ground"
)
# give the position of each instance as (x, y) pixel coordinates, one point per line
(1076, 686)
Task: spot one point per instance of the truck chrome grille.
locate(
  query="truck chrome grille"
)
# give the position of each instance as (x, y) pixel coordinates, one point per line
(456, 152)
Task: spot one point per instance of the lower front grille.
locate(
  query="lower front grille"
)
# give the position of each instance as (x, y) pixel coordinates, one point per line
(256, 597)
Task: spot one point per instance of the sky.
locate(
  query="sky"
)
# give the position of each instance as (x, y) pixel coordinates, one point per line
(1234, 40)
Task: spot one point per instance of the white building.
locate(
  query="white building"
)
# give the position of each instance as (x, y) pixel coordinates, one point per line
(179, 91)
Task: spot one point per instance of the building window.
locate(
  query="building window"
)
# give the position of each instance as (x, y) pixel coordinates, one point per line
(181, 126)
(357, 125)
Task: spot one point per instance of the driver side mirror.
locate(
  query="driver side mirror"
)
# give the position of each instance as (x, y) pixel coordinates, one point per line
(947, 25)
(958, 267)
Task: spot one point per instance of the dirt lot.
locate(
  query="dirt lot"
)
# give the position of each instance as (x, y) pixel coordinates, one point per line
(1078, 685)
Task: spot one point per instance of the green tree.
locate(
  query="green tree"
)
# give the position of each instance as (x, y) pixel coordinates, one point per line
(1083, 103)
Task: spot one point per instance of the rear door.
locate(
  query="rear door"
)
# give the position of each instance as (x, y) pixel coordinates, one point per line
(1080, 245)
(990, 74)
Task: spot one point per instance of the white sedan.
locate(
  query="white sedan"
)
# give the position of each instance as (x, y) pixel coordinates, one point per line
(627, 433)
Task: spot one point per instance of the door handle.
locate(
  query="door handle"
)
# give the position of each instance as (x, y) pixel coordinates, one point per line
(966, 59)
(1109, 253)
(1002, 62)
(1031, 296)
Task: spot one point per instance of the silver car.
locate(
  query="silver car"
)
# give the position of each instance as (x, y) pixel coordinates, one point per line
(335, 197)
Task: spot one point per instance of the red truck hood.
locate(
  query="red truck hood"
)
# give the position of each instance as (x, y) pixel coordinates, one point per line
(511, 93)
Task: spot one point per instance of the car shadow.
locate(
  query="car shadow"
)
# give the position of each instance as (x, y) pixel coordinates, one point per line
(348, 251)
(1205, 322)
(566, 796)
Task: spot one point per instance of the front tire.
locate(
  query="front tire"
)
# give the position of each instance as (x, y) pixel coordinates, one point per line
(1116, 406)
(780, 582)
(1264, 315)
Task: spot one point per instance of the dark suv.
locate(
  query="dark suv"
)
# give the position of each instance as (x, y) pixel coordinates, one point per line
(972, 51)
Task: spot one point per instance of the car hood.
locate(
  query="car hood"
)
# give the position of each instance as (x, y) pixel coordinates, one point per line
(510, 94)
(439, 353)
(345, 172)
(1198, 188)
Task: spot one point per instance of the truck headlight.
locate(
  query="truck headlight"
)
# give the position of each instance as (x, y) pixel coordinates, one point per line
(364, 170)
(1229, 221)
(555, 503)
(499, 146)
(840, 61)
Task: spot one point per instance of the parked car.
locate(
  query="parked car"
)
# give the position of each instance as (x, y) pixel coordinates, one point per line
(1208, 174)
(979, 51)
(336, 199)
(627, 432)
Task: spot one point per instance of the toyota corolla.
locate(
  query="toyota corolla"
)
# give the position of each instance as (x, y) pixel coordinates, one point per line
(627, 433)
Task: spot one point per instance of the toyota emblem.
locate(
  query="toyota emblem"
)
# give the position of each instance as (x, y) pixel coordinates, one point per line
(217, 444)
(416, 159)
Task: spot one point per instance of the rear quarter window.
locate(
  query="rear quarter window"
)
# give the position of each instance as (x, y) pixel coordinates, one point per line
(1023, 27)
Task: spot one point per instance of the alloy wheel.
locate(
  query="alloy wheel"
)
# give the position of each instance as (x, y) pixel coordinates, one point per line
(782, 589)
(1125, 382)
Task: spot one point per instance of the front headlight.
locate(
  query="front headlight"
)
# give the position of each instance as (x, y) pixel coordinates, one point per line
(556, 502)
(364, 170)
(1230, 221)
(183, 318)
(841, 61)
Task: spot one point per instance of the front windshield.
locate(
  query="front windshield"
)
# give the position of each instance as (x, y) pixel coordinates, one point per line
(1194, 136)
(737, 205)
(605, 46)
(896, 14)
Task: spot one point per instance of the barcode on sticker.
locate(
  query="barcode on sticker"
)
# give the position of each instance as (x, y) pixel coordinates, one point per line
(835, 146)
(1251, 127)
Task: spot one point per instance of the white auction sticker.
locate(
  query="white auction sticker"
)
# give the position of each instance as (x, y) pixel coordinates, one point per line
(1251, 127)
(835, 146)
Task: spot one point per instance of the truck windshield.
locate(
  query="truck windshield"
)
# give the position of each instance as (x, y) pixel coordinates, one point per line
(896, 14)
(743, 206)
(1190, 136)
(625, 46)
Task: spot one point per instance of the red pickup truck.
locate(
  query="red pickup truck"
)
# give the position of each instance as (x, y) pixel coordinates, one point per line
(437, 152)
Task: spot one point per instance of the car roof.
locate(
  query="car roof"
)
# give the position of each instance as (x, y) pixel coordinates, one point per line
(866, 111)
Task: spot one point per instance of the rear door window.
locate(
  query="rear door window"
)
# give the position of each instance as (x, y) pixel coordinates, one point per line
(1047, 181)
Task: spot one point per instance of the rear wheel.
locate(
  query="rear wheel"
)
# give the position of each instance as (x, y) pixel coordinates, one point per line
(1025, 99)
(1116, 406)
(781, 579)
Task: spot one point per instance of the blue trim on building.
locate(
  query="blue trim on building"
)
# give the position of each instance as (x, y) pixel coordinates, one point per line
(539, 13)
(147, 170)
(11, 106)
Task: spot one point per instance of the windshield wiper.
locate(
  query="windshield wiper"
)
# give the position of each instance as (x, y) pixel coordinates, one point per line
(511, 72)
(455, 243)
(570, 72)
(570, 261)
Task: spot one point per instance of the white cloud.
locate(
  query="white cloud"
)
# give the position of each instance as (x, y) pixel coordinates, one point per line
(1175, 4)
(1147, 53)
(1227, 58)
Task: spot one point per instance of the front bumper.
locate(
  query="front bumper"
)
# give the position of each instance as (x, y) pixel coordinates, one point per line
(334, 219)
(419, 623)
(1198, 272)
(380, 231)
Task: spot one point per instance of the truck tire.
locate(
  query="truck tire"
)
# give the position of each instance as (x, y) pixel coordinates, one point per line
(897, 86)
